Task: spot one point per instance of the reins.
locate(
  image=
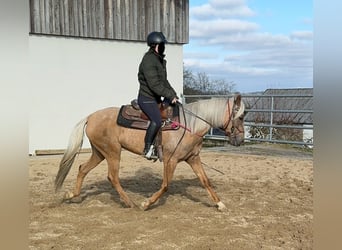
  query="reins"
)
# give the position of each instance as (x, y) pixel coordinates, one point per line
(185, 128)
(188, 129)
(197, 116)
(224, 127)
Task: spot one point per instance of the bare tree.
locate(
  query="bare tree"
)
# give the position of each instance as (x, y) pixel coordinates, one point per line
(188, 78)
(202, 84)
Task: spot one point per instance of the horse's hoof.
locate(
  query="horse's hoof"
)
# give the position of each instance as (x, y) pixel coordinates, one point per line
(68, 195)
(144, 205)
(221, 207)
(76, 199)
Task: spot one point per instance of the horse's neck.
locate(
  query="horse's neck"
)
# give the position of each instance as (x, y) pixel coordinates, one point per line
(200, 121)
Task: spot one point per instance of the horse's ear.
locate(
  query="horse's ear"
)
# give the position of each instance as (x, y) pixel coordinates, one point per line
(237, 99)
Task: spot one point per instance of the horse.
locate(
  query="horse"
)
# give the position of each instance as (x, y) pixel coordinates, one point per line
(107, 139)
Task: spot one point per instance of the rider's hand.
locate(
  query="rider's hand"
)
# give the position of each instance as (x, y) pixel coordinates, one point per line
(174, 100)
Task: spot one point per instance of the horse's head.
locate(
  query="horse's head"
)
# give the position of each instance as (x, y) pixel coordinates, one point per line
(234, 125)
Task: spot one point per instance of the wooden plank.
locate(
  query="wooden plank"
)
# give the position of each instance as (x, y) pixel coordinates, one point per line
(186, 22)
(149, 16)
(156, 16)
(117, 20)
(164, 18)
(61, 18)
(172, 18)
(66, 17)
(178, 18)
(84, 18)
(36, 24)
(91, 18)
(56, 18)
(141, 19)
(48, 18)
(57, 151)
(108, 10)
(133, 21)
(124, 32)
(80, 17)
(127, 19)
(32, 22)
(42, 15)
(51, 19)
(101, 19)
(72, 17)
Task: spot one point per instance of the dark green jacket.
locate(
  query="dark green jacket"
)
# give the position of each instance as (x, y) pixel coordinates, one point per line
(152, 77)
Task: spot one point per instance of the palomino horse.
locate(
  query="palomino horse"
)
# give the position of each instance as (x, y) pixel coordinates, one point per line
(107, 139)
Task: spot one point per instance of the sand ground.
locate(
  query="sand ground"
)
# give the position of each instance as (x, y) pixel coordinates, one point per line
(268, 191)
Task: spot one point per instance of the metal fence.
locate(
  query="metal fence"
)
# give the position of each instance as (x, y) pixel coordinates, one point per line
(271, 125)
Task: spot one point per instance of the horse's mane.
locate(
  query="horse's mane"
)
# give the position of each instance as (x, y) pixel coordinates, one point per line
(210, 110)
(241, 110)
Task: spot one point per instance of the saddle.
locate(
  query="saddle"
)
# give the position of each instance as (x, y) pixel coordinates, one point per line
(131, 116)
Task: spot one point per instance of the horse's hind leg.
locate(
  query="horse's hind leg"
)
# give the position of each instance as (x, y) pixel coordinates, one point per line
(196, 165)
(95, 158)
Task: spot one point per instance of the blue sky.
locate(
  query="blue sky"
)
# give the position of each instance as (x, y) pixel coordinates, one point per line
(256, 44)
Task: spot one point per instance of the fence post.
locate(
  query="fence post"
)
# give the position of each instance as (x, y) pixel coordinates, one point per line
(271, 118)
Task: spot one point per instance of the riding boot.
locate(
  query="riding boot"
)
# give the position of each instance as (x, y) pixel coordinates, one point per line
(151, 132)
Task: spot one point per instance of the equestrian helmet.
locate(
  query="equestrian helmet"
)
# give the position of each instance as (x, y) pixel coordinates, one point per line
(155, 38)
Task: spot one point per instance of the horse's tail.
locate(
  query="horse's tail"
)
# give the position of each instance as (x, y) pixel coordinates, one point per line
(74, 146)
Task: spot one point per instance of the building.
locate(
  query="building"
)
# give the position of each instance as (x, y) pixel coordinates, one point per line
(84, 56)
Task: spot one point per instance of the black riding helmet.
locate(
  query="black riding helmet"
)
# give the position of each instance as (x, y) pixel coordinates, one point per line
(155, 38)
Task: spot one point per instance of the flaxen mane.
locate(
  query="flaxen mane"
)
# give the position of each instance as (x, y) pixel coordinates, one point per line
(212, 109)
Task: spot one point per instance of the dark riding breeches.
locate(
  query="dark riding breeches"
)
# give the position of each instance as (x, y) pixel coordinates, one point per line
(150, 107)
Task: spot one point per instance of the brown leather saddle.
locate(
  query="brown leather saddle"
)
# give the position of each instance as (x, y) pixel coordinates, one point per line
(131, 116)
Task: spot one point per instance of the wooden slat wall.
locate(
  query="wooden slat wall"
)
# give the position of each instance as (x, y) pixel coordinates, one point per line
(111, 19)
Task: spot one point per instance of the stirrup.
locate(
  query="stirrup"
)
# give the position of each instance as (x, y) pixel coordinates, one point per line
(151, 154)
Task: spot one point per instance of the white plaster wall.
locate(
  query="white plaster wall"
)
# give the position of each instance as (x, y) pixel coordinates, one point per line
(71, 78)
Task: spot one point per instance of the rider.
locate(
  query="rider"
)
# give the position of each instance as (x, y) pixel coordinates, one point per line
(154, 85)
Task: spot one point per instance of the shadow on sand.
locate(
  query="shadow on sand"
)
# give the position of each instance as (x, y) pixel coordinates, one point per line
(143, 183)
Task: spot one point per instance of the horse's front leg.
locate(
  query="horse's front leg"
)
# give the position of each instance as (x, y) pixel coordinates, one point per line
(169, 169)
(113, 176)
(196, 165)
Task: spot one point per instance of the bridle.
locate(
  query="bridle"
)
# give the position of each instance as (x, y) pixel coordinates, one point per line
(231, 118)
(230, 115)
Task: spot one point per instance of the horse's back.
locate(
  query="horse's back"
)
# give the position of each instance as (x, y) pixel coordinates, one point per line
(102, 121)
(105, 134)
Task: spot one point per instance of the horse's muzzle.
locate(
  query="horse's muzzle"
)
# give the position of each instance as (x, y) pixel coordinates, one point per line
(236, 140)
